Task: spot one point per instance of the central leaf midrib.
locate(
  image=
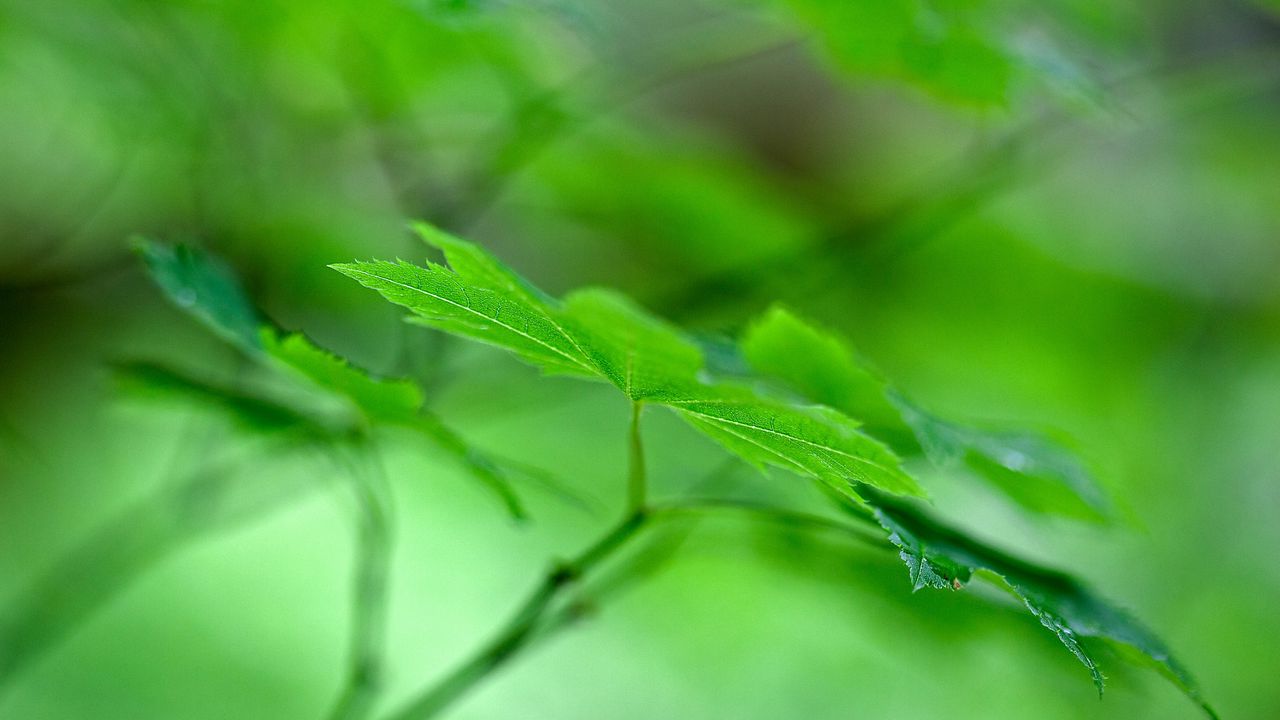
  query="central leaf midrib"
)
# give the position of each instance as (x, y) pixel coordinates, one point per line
(473, 311)
(820, 446)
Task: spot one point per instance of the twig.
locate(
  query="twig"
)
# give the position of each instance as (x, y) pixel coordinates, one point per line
(772, 514)
(637, 484)
(537, 618)
(369, 588)
(521, 629)
(523, 625)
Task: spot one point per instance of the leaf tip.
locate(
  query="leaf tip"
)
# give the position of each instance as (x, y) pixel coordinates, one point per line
(432, 235)
(350, 269)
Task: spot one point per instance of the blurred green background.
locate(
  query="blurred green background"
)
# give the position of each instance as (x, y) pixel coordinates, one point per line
(1064, 213)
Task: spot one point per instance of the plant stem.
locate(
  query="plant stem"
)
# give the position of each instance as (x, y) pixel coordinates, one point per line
(867, 531)
(535, 615)
(637, 482)
(523, 625)
(480, 466)
(369, 596)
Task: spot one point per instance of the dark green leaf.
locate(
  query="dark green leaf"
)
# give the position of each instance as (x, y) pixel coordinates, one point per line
(645, 358)
(205, 287)
(941, 557)
(443, 300)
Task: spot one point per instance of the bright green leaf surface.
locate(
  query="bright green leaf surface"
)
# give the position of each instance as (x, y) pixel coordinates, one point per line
(443, 300)
(598, 333)
(643, 357)
(476, 266)
(395, 401)
(821, 367)
(814, 441)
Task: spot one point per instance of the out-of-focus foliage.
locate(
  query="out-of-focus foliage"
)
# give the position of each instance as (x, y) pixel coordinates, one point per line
(321, 392)
(1059, 215)
(1032, 469)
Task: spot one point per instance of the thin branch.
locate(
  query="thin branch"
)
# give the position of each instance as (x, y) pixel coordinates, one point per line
(539, 616)
(522, 628)
(369, 589)
(773, 514)
(637, 482)
(480, 466)
(523, 625)
(661, 551)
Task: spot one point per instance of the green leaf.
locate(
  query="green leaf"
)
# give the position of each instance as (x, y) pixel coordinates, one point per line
(443, 300)
(204, 287)
(476, 266)
(821, 367)
(600, 334)
(644, 357)
(392, 401)
(938, 556)
(817, 442)
(1035, 471)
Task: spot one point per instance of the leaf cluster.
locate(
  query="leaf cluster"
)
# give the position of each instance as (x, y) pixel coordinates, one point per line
(817, 431)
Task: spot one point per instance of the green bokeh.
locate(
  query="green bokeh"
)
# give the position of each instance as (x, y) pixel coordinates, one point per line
(1066, 216)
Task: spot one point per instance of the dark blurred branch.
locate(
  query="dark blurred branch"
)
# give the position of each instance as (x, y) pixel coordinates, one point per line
(1022, 154)
(111, 559)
